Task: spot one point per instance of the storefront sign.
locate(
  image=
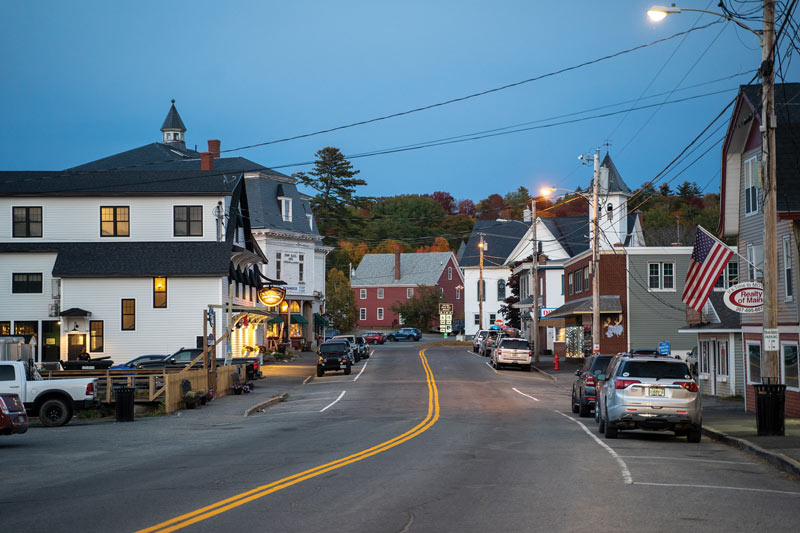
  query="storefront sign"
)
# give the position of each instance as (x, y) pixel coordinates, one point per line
(771, 338)
(295, 289)
(271, 296)
(544, 311)
(290, 257)
(747, 297)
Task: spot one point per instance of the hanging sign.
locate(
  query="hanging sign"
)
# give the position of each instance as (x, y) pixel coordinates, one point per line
(747, 297)
(271, 296)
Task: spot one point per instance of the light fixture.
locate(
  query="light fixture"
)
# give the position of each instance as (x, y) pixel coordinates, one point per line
(76, 327)
(271, 296)
(546, 191)
(659, 13)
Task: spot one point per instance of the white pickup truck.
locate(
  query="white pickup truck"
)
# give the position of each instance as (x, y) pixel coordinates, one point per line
(53, 400)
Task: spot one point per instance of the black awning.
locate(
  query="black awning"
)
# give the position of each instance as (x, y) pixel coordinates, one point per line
(75, 311)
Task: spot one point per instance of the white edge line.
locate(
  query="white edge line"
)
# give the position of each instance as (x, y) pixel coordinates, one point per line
(306, 380)
(717, 487)
(362, 371)
(626, 474)
(336, 400)
(526, 395)
(686, 459)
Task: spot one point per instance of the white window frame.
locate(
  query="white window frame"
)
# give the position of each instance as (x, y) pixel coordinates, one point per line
(301, 268)
(788, 288)
(750, 170)
(726, 278)
(409, 293)
(278, 265)
(380, 293)
(661, 277)
(492, 318)
(449, 273)
(286, 208)
(362, 294)
(783, 364)
(578, 281)
(362, 313)
(704, 358)
(380, 313)
(747, 345)
(458, 293)
(477, 319)
(586, 278)
(719, 359)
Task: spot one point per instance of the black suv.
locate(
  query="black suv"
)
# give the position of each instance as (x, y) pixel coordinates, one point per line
(584, 391)
(334, 356)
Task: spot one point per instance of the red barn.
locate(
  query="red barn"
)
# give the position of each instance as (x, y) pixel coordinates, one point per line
(383, 279)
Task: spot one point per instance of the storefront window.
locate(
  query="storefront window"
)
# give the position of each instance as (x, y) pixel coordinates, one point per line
(790, 366)
(561, 334)
(5, 328)
(754, 361)
(296, 330)
(574, 341)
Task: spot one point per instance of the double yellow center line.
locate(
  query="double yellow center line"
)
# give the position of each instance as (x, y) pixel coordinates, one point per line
(227, 504)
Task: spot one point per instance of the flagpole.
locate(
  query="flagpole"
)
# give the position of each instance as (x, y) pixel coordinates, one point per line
(704, 230)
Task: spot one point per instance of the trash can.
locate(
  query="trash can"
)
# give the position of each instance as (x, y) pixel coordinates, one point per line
(123, 396)
(770, 402)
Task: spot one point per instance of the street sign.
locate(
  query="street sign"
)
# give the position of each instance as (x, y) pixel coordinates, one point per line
(498, 322)
(445, 319)
(771, 340)
(663, 348)
(445, 309)
(445, 328)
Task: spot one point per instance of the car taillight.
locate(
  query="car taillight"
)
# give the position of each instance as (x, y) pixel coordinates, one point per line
(255, 366)
(530, 353)
(90, 389)
(691, 386)
(625, 383)
(499, 352)
(590, 380)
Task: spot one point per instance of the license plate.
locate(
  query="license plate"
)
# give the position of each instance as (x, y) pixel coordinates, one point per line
(659, 391)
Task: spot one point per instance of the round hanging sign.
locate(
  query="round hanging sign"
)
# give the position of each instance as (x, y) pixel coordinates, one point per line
(271, 296)
(747, 297)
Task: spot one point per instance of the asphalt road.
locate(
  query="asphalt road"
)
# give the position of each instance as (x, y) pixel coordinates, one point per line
(432, 442)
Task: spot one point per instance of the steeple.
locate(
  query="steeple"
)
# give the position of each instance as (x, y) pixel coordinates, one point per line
(172, 130)
(613, 208)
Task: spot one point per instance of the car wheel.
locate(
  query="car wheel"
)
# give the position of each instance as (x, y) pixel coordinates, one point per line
(320, 372)
(574, 405)
(610, 431)
(601, 428)
(54, 412)
(347, 370)
(527, 368)
(583, 409)
(694, 435)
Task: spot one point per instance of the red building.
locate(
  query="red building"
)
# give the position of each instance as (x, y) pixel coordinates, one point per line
(383, 279)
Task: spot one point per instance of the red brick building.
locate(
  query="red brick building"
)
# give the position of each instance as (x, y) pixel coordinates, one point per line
(383, 279)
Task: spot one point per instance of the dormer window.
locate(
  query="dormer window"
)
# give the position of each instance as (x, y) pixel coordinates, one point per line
(286, 208)
(310, 222)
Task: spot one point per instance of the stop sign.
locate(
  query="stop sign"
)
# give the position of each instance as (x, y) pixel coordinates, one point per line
(498, 322)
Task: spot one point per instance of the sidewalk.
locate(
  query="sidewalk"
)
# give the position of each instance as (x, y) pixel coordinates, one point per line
(727, 422)
(566, 368)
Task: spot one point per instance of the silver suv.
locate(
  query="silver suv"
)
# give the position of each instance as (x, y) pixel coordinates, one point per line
(476, 340)
(652, 393)
(512, 351)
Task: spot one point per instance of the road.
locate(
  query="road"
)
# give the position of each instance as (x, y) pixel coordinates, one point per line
(410, 441)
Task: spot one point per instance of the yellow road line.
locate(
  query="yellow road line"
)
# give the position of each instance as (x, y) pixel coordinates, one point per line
(227, 504)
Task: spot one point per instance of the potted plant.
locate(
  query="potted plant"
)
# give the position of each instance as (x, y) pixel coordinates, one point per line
(201, 395)
(191, 399)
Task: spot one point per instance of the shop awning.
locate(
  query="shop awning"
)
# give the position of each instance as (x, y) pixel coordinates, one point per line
(298, 319)
(320, 320)
(275, 320)
(608, 304)
(75, 311)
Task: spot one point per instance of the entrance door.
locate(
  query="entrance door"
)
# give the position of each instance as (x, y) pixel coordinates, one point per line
(77, 345)
(51, 340)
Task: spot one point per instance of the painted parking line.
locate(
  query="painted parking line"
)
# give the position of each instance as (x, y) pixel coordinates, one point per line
(526, 395)
(362, 371)
(227, 504)
(334, 402)
(717, 487)
(490, 366)
(306, 380)
(686, 459)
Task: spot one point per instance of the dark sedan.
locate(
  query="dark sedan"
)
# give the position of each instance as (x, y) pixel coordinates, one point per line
(135, 362)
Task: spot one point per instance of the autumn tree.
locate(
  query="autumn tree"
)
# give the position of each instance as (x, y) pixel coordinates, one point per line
(446, 200)
(491, 207)
(440, 244)
(340, 302)
(466, 207)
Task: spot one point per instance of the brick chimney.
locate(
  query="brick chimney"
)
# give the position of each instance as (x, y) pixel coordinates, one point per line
(207, 161)
(397, 264)
(214, 146)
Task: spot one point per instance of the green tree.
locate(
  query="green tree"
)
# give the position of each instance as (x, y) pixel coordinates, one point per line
(510, 313)
(420, 310)
(408, 217)
(516, 202)
(688, 190)
(340, 302)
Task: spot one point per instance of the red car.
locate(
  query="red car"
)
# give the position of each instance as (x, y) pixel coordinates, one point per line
(374, 337)
(12, 415)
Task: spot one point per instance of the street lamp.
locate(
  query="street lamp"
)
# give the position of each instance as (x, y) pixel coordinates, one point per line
(659, 13)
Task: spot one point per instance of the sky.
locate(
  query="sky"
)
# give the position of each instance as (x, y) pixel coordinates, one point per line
(90, 79)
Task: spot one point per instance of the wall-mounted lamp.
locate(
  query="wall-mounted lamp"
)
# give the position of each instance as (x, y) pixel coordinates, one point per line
(76, 327)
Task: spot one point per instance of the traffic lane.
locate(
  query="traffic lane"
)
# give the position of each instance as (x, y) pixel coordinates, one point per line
(165, 466)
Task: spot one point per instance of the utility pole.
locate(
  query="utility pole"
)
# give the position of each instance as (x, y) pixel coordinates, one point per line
(535, 271)
(596, 256)
(481, 246)
(768, 176)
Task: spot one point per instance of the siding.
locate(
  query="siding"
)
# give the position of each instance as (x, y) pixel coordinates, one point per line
(491, 305)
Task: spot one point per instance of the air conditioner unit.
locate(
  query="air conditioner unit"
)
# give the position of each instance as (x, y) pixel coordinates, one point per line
(54, 309)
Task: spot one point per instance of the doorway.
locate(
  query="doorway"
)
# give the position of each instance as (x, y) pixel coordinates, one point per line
(51, 340)
(76, 345)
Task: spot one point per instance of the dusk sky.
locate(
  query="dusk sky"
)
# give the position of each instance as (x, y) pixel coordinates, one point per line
(89, 79)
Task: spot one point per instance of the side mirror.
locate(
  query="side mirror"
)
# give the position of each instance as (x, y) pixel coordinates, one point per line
(601, 377)
(577, 372)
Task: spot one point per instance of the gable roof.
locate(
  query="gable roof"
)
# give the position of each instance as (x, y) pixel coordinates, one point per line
(173, 120)
(718, 317)
(415, 269)
(145, 157)
(571, 232)
(501, 238)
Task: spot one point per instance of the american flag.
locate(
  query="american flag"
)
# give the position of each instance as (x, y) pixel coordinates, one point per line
(709, 257)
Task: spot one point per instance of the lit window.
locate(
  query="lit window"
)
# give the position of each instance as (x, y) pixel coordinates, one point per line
(128, 314)
(159, 292)
(95, 335)
(114, 222)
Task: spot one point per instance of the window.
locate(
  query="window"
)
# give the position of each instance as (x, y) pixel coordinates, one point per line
(187, 220)
(449, 273)
(362, 315)
(754, 361)
(482, 290)
(562, 284)
(115, 222)
(791, 369)
(458, 293)
(721, 358)
(7, 373)
(571, 286)
(27, 222)
(751, 259)
(661, 276)
(286, 208)
(501, 290)
(26, 327)
(301, 268)
(362, 294)
(787, 267)
(277, 265)
(95, 335)
(586, 278)
(5, 328)
(310, 218)
(128, 315)
(704, 361)
(728, 277)
(751, 175)
(159, 292)
(477, 319)
(26, 284)
(410, 292)
(380, 313)
(380, 293)
(578, 281)
(492, 318)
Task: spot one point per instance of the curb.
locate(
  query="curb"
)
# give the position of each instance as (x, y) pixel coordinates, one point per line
(551, 376)
(266, 403)
(779, 460)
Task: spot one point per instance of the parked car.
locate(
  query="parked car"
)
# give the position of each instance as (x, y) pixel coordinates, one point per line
(584, 392)
(363, 347)
(374, 337)
(181, 358)
(88, 363)
(489, 342)
(644, 351)
(458, 326)
(351, 340)
(331, 333)
(476, 340)
(133, 363)
(13, 419)
(334, 355)
(405, 334)
(512, 351)
(650, 393)
(53, 400)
